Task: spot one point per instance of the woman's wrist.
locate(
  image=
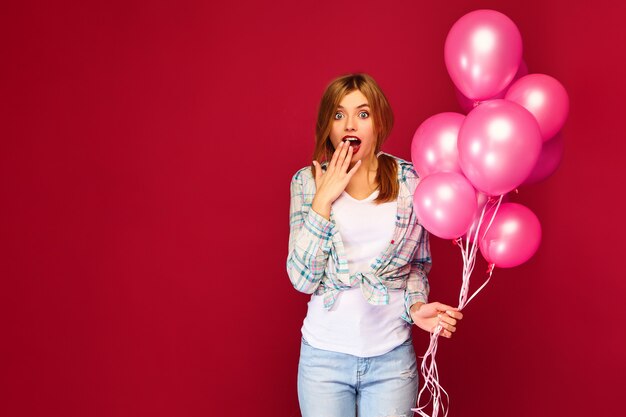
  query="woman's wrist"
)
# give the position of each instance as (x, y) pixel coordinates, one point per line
(416, 306)
(321, 207)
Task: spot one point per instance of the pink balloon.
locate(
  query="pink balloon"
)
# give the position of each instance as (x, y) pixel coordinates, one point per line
(433, 148)
(499, 144)
(467, 104)
(513, 238)
(545, 98)
(549, 160)
(445, 204)
(483, 51)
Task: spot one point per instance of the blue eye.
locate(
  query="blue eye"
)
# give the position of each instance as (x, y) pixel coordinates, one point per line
(363, 114)
(338, 115)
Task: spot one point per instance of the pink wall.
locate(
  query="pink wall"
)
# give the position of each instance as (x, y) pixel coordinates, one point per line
(145, 165)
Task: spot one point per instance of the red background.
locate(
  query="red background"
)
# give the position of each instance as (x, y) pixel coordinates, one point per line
(146, 154)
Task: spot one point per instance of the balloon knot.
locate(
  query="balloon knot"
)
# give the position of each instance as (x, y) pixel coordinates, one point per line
(490, 268)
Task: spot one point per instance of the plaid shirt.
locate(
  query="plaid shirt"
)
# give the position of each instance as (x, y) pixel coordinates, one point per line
(317, 262)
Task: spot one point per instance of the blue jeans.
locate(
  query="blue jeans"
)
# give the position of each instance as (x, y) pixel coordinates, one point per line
(332, 384)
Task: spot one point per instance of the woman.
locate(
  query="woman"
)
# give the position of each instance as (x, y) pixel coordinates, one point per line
(356, 246)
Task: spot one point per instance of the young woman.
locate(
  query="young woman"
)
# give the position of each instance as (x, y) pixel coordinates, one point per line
(357, 247)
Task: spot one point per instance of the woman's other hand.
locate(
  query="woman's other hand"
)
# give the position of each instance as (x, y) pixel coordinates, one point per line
(429, 316)
(330, 184)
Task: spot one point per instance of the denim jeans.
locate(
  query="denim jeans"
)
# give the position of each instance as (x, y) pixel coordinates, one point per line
(332, 384)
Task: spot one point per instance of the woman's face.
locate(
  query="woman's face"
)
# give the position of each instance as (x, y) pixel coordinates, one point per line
(352, 122)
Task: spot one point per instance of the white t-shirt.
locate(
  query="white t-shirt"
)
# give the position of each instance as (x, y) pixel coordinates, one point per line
(353, 325)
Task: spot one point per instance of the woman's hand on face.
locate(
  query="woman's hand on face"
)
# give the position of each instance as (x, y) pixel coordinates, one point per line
(429, 316)
(330, 184)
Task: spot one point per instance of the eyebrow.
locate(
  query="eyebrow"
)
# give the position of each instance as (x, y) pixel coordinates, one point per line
(358, 107)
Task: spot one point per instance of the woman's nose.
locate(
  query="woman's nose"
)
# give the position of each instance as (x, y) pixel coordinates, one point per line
(350, 123)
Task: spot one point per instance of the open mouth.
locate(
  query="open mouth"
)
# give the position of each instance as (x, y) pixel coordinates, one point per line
(355, 143)
(353, 140)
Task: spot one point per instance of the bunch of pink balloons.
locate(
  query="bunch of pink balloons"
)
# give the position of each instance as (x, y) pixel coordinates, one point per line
(509, 137)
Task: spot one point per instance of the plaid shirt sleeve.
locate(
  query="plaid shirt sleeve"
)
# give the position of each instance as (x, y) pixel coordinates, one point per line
(310, 238)
(417, 287)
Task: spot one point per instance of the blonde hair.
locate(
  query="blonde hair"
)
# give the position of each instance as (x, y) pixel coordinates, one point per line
(382, 121)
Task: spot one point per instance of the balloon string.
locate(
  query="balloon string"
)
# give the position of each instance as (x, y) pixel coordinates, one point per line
(490, 272)
(494, 216)
(431, 374)
(428, 367)
(469, 255)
